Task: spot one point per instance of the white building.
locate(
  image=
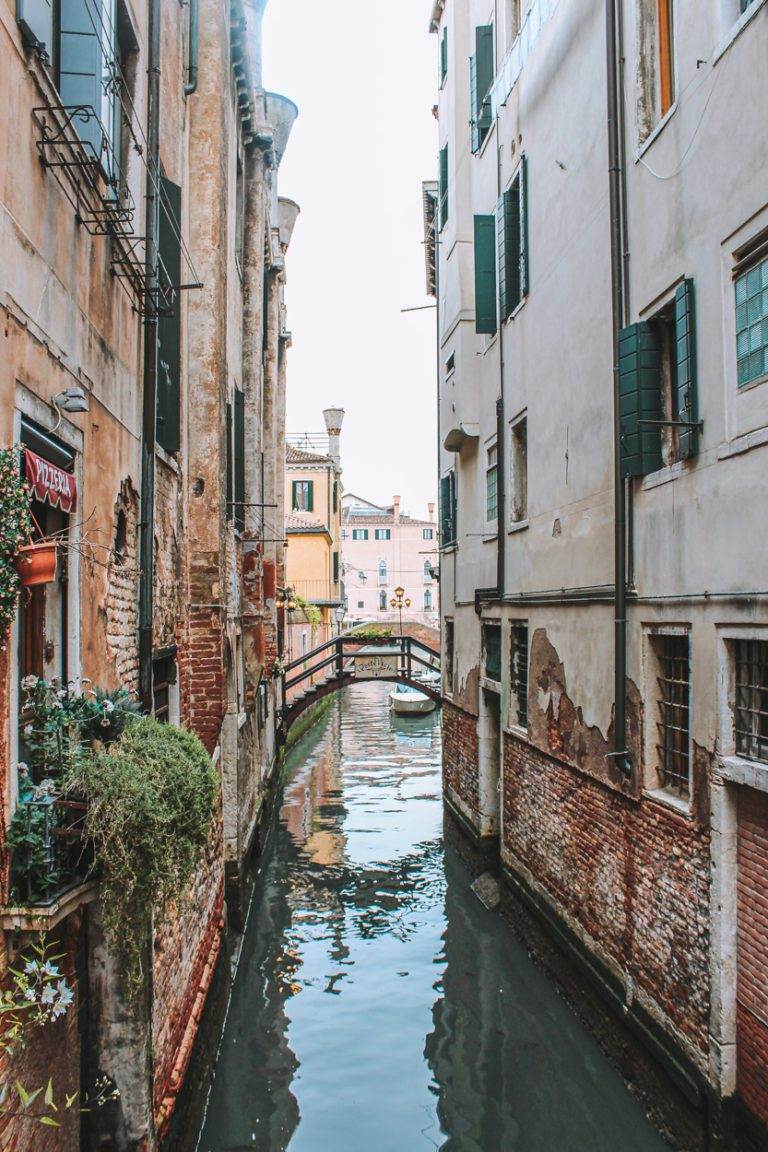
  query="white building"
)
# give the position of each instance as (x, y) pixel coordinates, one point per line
(602, 272)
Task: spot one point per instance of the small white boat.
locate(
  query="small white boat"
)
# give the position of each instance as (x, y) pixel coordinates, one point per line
(407, 701)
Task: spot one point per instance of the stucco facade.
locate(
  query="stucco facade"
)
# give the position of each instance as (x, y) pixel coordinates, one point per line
(528, 567)
(167, 573)
(384, 549)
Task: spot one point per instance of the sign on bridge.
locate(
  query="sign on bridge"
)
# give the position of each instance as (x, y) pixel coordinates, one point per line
(376, 666)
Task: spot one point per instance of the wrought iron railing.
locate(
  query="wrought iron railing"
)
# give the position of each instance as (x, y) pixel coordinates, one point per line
(49, 854)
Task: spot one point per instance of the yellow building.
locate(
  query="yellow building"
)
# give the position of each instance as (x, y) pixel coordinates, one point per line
(313, 493)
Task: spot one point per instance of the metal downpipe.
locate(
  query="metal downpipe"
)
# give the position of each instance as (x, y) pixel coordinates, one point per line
(193, 48)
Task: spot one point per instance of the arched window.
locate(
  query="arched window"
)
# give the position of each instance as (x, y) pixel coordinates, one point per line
(427, 599)
(427, 571)
(382, 571)
(383, 600)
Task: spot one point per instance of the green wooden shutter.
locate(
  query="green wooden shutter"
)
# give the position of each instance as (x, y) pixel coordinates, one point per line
(35, 18)
(239, 455)
(639, 399)
(508, 247)
(310, 495)
(169, 322)
(443, 186)
(686, 400)
(445, 509)
(80, 69)
(294, 505)
(485, 274)
(485, 72)
(335, 495)
(228, 485)
(522, 183)
(444, 55)
(335, 567)
(474, 105)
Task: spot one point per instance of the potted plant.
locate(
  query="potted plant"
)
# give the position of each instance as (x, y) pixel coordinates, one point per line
(15, 530)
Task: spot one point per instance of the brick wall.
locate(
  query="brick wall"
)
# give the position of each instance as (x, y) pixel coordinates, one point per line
(752, 980)
(121, 605)
(460, 760)
(633, 876)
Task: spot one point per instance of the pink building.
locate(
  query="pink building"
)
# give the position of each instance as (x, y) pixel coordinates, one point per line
(382, 549)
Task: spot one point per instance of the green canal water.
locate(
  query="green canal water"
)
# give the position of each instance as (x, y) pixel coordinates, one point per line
(378, 1006)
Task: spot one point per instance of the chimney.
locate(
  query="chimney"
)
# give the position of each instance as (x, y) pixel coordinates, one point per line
(396, 509)
(334, 418)
(431, 512)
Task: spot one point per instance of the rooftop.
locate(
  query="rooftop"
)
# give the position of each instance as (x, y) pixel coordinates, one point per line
(294, 455)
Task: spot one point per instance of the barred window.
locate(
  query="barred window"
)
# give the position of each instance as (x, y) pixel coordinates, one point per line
(519, 670)
(492, 485)
(449, 655)
(673, 723)
(492, 650)
(752, 699)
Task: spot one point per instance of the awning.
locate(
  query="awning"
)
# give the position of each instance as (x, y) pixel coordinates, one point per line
(49, 483)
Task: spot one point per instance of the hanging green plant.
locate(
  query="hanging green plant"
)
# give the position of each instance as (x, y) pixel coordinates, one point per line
(15, 530)
(151, 798)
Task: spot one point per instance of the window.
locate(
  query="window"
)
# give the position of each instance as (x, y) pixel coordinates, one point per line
(481, 71)
(672, 675)
(359, 533)
(485, 275)
(168, 415)
(443, 56)
(512, 242)
(335, 500)
(448, 655)
(752, 323)
(658, 387)
(492, 485)
(657, 81)
(448, 508)
(383, 600)
(511, 20)
(239, 213)
(427, 600)
(335, 567)
(383, 533)
(427, 534)
(443, 186)
(361, 603)
(519, 471)
(382, 572)
(343, 533)
(519, 671)
(239, 459)
(492, 650)
(743, 5)
(427, 571)
(163, 679)
(752, 699)
(303, 496)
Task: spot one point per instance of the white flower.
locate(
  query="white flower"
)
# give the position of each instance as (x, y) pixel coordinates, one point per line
(22, 768)
(30, 994)
(49, 995)
(30, 967)
(29, 682)
(108, 706)
(50, 969)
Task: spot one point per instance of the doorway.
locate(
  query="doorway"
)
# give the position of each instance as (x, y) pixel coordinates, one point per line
(489, 765)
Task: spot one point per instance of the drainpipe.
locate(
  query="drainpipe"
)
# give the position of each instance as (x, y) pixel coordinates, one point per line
(193, 51)
(615, 177)
(146, 527)
(500, 455)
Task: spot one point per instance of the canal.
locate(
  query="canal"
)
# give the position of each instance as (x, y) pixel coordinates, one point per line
(378, 1005)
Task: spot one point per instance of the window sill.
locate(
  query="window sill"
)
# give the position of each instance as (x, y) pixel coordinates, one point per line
(655, 133)
(452, 546)
(737, 770)
(490, 537)
(742, 444)
(663, 476)
(516, 310)
(491, 684)
(241, 719)
(484, 146)
(737, 29)
(750, 384)
(167, 459)
(516, 731)
(669, 800)
(517, 526)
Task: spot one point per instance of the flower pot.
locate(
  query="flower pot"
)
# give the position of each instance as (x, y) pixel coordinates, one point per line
(36, 563)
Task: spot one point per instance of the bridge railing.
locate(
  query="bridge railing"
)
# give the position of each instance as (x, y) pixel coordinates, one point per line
(337, 655)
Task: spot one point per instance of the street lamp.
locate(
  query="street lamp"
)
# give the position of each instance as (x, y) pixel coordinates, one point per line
(399, 603)
(340, 613)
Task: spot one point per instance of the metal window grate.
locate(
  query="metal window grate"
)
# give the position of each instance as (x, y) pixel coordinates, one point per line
(519, 669)
(492, 650)
(673, 725)
(752, 699)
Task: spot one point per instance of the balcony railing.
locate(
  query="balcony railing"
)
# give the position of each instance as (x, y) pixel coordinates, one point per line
(318, 591)
(49, 854)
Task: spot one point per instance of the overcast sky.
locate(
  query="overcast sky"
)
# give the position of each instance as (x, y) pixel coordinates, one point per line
(363, 74)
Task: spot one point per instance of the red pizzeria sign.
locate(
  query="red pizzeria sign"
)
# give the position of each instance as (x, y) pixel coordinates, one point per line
(49, 483)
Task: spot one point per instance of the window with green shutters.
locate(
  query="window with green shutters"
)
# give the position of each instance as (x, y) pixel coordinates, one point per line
(335, 567)
(492, 485)
(658, 389)
(35, 18)
(443, 186)
(512, 242)
(168, 418)
(81, 66)
(448, 526)
(485, 275)
(238, 451)
(752, 323)
(481, 72)
(443, 56)
(230, 463)
(492, 651)
(303, 496)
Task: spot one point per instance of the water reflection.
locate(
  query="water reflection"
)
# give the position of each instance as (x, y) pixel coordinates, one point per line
(378, 1005)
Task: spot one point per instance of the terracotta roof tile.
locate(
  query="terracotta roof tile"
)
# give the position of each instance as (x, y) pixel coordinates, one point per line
(302, 456)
